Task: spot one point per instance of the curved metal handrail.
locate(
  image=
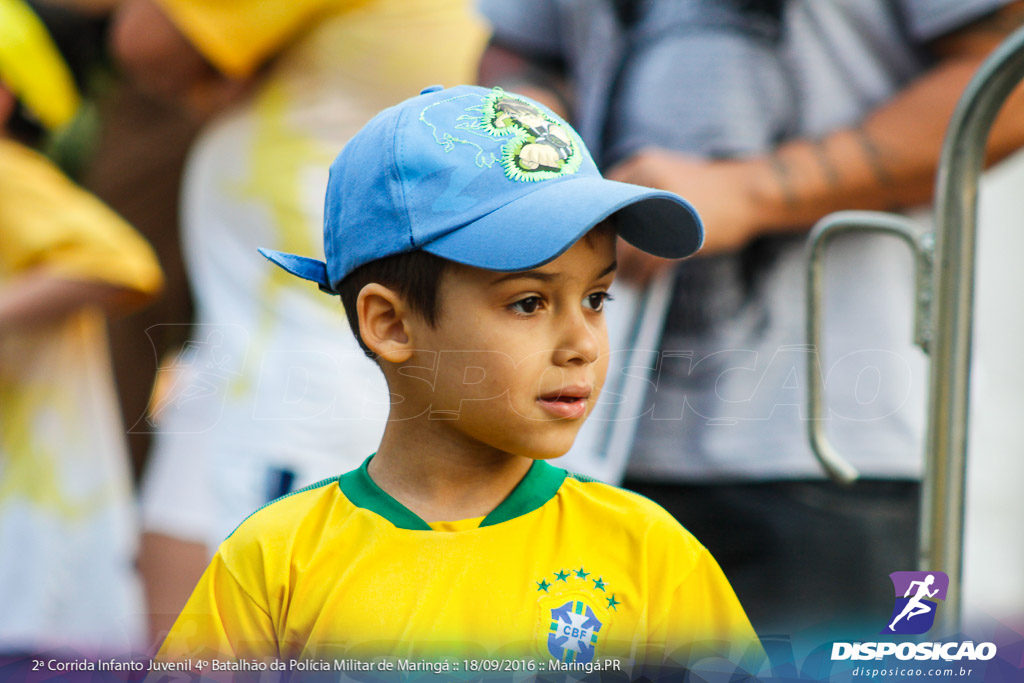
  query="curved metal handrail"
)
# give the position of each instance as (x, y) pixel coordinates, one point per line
(920, 242)
(944, 316)
(956, 207)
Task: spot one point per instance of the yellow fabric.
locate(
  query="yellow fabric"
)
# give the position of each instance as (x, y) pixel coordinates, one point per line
(47, 221)
(237, 36)
(32, 68)
(457, 525)
(313, 576)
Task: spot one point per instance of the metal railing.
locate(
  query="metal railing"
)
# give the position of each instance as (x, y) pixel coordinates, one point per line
(945, 262)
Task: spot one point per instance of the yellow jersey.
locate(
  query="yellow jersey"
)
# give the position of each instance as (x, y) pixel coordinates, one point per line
(565, 569)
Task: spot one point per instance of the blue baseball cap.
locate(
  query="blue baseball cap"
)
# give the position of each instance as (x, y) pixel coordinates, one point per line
(482, 177)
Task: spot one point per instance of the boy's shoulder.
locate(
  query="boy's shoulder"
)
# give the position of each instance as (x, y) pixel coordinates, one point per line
(284, 519)
(613, 499)
(639, 515)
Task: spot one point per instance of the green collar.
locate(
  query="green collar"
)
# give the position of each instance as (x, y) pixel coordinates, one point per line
(538, 487)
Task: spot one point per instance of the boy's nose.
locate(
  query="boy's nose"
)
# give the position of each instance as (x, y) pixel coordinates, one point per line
(580, 341)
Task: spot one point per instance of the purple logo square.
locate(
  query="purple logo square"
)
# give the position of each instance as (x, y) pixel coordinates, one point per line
(915, 601)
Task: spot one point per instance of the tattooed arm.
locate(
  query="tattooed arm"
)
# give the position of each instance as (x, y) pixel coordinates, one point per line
(887, 161)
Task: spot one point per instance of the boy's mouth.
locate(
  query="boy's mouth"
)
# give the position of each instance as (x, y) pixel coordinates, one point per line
(567, 402)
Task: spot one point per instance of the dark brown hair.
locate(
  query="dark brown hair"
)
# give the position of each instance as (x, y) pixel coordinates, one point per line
(415, 275)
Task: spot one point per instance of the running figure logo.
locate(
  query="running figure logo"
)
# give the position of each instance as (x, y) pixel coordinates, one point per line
(914, 612)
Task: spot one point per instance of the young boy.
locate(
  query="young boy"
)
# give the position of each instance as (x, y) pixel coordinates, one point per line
(460, 235)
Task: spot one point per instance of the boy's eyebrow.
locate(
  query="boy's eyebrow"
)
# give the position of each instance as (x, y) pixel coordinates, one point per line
(548, 277)
(612, 267)
(527, 275)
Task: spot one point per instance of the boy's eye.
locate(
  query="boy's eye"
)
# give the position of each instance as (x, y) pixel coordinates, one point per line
(527, 306)
(595, 301)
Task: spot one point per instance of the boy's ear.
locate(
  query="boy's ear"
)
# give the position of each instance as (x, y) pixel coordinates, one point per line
(384, 322)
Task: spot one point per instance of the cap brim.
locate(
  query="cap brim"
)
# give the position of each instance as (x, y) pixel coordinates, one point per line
(306, 268)
(538, 227)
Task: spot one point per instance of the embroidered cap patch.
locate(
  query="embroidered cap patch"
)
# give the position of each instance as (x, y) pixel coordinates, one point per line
(540, 147)
(537, 146)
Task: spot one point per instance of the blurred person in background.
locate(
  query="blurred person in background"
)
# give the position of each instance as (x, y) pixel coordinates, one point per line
(67, 525)
(771, 114)
(140, 133)
(285, 84)
(129, 150)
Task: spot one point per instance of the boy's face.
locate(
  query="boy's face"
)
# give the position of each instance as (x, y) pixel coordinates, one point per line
(520, 357)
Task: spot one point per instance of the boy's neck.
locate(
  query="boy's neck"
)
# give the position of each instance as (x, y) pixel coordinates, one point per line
(441, 477)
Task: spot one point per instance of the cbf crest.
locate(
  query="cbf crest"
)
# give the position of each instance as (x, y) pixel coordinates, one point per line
(576, 608)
